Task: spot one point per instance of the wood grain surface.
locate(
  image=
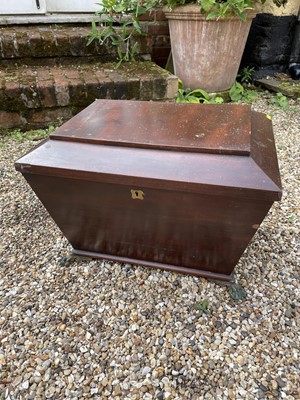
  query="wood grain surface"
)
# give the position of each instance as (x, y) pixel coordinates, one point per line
(181, 210)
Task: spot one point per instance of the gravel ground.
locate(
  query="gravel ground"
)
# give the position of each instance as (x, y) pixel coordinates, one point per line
(75, 328)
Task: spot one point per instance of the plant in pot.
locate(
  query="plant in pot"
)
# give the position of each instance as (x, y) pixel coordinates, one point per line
(208, 38)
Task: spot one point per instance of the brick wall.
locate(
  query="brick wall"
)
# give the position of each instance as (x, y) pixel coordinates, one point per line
(155, 24)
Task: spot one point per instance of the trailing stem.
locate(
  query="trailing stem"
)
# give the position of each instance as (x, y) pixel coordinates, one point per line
(119, 22)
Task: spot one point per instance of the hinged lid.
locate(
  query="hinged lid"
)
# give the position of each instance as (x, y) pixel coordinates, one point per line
(217, 129)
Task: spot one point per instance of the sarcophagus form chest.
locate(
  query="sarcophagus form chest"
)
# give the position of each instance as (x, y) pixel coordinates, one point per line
(182, 187)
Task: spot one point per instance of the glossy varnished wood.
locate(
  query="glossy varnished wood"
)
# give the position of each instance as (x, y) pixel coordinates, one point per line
(182, 127)
(197, 212)
(168, 227)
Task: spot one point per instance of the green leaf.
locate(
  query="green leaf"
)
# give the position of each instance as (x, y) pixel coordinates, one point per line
(213, 15)
(200, 93)
(180, 84)
(292, 218)
(207, 5)
(202, 307)
(236, 92)
(218, 100)
(136, 25)
(193, 99)
(94, 27)
(236, 291)
(120, 55)
(242, 15)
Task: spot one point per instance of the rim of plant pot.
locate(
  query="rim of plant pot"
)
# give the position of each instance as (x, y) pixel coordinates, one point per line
(193, 12)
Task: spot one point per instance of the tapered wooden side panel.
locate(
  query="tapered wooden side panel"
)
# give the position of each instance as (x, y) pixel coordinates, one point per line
(196, 231)
(263, 149)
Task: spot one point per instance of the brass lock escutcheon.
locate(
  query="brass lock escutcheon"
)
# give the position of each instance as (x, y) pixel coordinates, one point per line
(137, 194)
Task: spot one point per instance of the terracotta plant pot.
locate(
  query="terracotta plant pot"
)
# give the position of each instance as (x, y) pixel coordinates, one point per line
(206, 53)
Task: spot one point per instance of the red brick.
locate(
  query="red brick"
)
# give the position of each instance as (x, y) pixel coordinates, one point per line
(158, 29)
(49, 45)
(7, 44)
(46, 93)
(12, 88)
(61, 86)
(89, 78)
(161, 41)
(78, 45)
(28, 75)
(35, 42)
(160, 15)
(11, 119)
(43, 74)
(61, 39)
(148, 16)
(10, 93)
(50, 116)
(93, 88)
(30, 96)
(102, 76)
(72, 74)
(77, 93)
(62, 95)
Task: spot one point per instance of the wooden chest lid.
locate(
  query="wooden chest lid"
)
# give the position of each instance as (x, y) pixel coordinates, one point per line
(211, 149)
(216, 129)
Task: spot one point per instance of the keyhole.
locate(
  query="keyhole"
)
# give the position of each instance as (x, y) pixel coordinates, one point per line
(137, 194)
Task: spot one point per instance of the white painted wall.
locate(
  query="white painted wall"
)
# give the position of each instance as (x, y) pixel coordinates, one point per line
(22, 7)
(16, 7)
(72, 5)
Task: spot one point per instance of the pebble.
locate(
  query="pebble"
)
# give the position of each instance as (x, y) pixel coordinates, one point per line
(240, 360)
(280, 383)
(146, 371)
(160, 395)
(78, 328)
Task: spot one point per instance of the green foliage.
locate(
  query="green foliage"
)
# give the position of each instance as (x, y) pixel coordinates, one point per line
(229, 7)
(216, 9)
(292, 218)
(15, 134)
(238, 93)
(202, 308)
(196, 96)
(19, 136)
(235, 290)
(279, 100)
(119, 19)
(245, 75)
(119, 23)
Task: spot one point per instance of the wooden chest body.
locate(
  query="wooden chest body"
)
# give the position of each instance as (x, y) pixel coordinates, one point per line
(175, 186)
